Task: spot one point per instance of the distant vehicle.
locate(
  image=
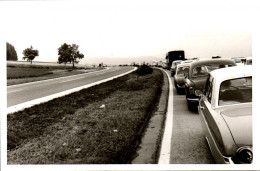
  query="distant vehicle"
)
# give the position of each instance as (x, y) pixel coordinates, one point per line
(186, 61)
(239, 60)
(225, 110)
(179, 77)
(173, 56)
(164, 65)
(216, 57)
(197, 76)
(248, 61)
(174, 66)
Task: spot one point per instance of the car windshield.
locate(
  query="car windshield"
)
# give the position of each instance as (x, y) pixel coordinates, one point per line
(182, 70)
(235, 91)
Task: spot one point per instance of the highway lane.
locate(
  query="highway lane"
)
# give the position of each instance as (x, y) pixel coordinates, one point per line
(188, 145)
(22, 93)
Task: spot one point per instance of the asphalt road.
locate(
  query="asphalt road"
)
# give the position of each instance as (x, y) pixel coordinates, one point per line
(22, 93)
(188, 145)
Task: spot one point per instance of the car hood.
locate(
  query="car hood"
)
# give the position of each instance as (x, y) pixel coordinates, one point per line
(239, 121)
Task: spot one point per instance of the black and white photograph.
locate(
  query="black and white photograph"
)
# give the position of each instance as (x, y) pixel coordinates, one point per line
(129, 85)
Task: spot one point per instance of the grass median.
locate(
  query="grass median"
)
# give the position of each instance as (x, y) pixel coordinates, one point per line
(98, 125)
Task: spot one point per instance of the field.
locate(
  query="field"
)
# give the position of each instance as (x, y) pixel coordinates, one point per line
(23, 73)
(13, 73)
(99, 125)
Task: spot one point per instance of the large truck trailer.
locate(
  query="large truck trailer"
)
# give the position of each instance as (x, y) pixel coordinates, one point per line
(173, 56)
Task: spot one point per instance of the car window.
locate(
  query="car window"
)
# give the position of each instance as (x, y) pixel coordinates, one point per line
(235, 91)
(182, 70)
(199, 71)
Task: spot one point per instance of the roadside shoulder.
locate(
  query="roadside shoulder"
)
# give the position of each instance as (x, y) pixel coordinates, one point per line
(148, 151)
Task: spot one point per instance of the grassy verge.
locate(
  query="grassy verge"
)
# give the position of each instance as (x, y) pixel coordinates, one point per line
(99, 125)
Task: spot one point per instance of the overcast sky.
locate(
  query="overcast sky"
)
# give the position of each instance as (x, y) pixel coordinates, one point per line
(134, 28)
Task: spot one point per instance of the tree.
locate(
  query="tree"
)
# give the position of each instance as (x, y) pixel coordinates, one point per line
(11, 54)
(69, 53)
(30, 54)
(64, 53)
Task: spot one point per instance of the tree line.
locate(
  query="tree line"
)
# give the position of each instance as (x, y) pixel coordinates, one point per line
(67, 53)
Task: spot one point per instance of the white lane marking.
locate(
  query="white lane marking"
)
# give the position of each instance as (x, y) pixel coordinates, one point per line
(58, 78)
(15, 91)
(31, 103)
(165, 152)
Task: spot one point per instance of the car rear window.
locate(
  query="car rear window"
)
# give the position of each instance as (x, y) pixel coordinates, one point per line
(182, 70)
(204, 70)
(235, 91)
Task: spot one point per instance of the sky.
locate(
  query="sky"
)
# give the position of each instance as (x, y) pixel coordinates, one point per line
(121, 31)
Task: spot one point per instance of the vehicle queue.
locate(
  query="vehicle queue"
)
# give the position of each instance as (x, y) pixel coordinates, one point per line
(221, 91)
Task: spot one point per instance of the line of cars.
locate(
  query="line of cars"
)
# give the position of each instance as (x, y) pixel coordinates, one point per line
(222, 93)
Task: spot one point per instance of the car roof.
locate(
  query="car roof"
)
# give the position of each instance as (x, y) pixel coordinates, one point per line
(231, 72)
(211, 61)
(176, 61)
(183, 64)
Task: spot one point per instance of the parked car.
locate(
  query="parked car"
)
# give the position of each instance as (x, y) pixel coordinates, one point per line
(197, 76)
(179, 77)
(174, 66)
(225, 109)
(186, 61)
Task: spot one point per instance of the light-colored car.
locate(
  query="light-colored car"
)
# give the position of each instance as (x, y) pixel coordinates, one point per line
(197, 76)
(179, 77)
(225, 109)
(174, 66)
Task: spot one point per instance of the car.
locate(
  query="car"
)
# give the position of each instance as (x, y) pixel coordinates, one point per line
(174, 65)
(248, 61)
(225, 111)
(197, 76)
(239, 60)
(186, 61)
(179, 77)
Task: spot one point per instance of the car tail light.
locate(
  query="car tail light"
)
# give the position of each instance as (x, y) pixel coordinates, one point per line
(244, 155)
(191, 89)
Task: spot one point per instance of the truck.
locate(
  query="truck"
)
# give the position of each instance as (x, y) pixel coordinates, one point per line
(173, 56)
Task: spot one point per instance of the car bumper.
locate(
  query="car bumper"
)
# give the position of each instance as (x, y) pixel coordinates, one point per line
(193, 99)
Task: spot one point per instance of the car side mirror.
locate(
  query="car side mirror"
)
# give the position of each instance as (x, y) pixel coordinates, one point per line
(198, 93)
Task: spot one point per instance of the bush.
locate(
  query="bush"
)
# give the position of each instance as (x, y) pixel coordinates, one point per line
(144, 69)
(11, 54)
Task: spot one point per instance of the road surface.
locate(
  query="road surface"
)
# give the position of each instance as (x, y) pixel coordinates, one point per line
(19, 94)
(187, 143)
